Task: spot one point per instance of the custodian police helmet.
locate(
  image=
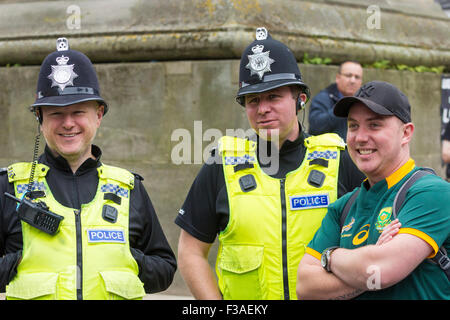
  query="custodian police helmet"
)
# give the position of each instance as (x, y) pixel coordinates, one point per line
(66, 77)
(267, 64)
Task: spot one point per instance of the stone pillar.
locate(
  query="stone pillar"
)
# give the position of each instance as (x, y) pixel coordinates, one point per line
(412, 33)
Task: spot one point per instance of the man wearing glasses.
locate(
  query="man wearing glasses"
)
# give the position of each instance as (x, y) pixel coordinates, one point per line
(321, 117)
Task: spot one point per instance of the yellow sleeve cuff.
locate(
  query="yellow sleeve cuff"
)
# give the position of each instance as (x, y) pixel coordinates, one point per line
(313, 252)
(424, 237)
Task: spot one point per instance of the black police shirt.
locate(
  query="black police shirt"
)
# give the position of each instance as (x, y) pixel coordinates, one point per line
(205, 211)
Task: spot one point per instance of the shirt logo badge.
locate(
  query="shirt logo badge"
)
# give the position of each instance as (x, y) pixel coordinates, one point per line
(311, 201)
(365, 91)
(384, 218)
(348, 226)
(105, 236)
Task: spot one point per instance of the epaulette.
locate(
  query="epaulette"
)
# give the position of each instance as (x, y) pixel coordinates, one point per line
(116, 173)
(325, 140)
(235, 144)
(138, 176)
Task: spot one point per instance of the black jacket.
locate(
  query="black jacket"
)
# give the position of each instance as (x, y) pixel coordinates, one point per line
(148, 243)
(321, 116)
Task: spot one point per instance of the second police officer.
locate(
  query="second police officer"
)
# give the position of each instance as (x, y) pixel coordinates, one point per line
(264, 214)
(108, 243)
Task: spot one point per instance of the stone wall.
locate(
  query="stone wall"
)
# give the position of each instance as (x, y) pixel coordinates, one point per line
(405, 32)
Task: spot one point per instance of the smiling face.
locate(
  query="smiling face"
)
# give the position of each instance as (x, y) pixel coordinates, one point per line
(273, 113)
(69, 131)
(377, 144)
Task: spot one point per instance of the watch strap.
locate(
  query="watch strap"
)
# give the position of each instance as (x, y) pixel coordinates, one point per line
(326, 257)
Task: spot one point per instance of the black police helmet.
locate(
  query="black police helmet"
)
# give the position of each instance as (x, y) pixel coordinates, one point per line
(267, 64)
(67, 77)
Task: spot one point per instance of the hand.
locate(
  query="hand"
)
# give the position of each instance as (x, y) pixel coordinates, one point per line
(389, 232)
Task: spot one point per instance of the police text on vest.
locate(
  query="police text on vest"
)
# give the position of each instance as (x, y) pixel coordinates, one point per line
(105, 235)
(309, 202)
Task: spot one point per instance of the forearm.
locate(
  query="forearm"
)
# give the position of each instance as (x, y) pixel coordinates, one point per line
(195, 269)
(313, 282)
(361, 267)
(148, 243)
(378, 266)
(8, 265)
(199, 277)
(155, 271)
(353, 266)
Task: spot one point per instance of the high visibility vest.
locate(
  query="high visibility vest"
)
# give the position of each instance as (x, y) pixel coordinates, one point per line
(89, 257)
(272, 220)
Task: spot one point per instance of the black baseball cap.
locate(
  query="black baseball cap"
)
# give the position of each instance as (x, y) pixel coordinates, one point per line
(380, 97)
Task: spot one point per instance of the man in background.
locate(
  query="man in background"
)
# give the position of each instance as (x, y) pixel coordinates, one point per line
(321, 117)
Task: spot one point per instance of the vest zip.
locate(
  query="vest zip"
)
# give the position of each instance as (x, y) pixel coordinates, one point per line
(284, 239)
(79, 255)
(79, 241)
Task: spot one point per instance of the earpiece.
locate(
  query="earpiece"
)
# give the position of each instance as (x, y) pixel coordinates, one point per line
(300, 104)
(38, 114)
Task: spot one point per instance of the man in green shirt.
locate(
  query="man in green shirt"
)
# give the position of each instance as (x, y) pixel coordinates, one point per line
(373, 256)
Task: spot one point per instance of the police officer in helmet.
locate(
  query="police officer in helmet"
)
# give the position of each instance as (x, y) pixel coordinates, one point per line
(264, 206)
(87, 230)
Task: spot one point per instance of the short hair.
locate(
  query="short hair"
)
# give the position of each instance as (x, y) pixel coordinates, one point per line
(351, 61)
(296, 91)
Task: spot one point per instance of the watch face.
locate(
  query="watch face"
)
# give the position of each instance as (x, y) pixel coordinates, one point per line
(323, 260)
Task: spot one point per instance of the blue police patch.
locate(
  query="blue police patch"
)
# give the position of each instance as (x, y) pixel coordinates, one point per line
(309, 202)
(105, 235)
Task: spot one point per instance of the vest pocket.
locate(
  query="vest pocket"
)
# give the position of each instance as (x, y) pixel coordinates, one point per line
(122, 285)
(242, 272)
(38, 286)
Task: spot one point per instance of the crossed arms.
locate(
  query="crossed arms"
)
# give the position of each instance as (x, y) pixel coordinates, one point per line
(393, 257)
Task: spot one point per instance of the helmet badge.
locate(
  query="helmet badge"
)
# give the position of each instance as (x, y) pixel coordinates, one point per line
(62, 74)
(261, 33)
(62, 44)
(259, 62)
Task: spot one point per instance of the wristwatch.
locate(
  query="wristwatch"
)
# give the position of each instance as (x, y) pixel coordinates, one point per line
(325, 258)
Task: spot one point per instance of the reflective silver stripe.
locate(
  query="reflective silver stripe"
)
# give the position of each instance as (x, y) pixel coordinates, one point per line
(54, 92)
(77, 90)
(273, 77)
